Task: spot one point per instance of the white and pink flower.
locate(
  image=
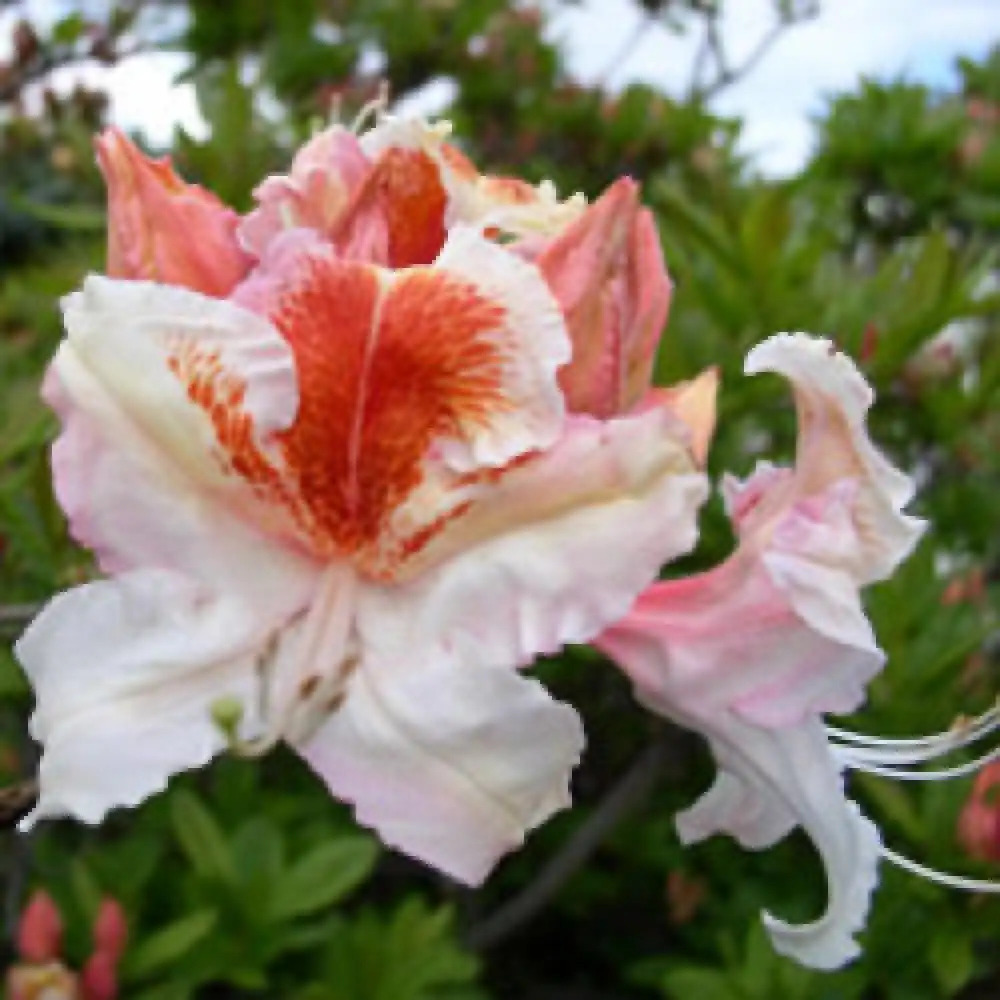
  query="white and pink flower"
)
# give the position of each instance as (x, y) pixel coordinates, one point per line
(328, 458)
(752, 653)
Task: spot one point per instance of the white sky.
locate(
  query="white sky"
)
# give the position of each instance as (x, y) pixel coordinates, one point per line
(850, 38)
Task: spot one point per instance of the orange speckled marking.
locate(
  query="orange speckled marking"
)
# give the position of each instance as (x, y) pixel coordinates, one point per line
(384, 369)
(221, 394)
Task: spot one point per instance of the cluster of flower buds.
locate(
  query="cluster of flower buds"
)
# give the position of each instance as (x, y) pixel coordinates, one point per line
(42, 974)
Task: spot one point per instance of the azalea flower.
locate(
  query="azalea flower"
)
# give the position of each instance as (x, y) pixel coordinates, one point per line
(340, 489)
(754, 652)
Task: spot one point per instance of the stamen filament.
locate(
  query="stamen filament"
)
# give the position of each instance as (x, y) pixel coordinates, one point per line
(859, 762)
(941, 878)
(914, 750)
(374, 108)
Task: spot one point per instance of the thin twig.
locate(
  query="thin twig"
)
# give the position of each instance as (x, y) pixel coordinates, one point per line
(16, 616)
(16, 800)
(637, 782)
(46, 63)
(727, 75)
(698, 67)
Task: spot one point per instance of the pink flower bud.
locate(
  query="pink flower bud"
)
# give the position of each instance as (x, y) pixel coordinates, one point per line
(606, 270)
(39, 933)
(99, 980)
(979, 823)
(110, 928)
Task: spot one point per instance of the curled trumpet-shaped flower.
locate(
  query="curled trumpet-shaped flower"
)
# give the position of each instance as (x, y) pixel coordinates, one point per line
(339, 507)
(753, 652)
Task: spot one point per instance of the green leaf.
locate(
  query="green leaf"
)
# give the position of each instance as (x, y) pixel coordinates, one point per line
(74, 218)
(69, 29)
(258, 854)
(13, 683)
(325, 875)
(85, 888)
(162, 949)
(951, 957)
(705, 984)
(201, 838)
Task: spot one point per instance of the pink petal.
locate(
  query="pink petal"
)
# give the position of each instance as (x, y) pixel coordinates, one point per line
(407, 378)
(449, 762)
(752, 652)
(161, 229)
(606, 269)
(551, 550)
(326, 174)
(769, 781)
(832, 400)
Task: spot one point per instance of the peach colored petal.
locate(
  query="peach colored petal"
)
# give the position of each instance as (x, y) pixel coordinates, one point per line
(161, 229)
(325, 175)
(606, 269)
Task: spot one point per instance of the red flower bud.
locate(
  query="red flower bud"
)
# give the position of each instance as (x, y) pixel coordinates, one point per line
(110, 929)
(39, 933)
(99, 980)
(979, 823)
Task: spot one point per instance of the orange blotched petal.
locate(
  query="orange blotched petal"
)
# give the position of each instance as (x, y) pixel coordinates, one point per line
(395, 371)
(163, 229)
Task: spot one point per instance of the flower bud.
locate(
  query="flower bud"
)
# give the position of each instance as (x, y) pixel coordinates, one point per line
(110, 928)
(979, 822)
(606, 270)
(39, 933)
(99, 979)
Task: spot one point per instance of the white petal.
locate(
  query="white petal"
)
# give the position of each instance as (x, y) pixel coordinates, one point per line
(770, 780)
(128, 492)
(832, 400)
(551, 552)
(125, 674)
(533, 342)
(126, 333)
(449, 763)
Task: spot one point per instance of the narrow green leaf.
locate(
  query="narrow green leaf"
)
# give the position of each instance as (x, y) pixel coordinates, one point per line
(201, 838)
(325, 875)
(165, 947)
(85, 888)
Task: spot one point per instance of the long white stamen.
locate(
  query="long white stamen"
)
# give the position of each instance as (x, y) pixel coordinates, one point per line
(967, 729)
(859, 762)
(876, 751)
(375, 108)
(942, 878)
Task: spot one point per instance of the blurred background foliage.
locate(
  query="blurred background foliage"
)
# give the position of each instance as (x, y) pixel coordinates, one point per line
(246, 880)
